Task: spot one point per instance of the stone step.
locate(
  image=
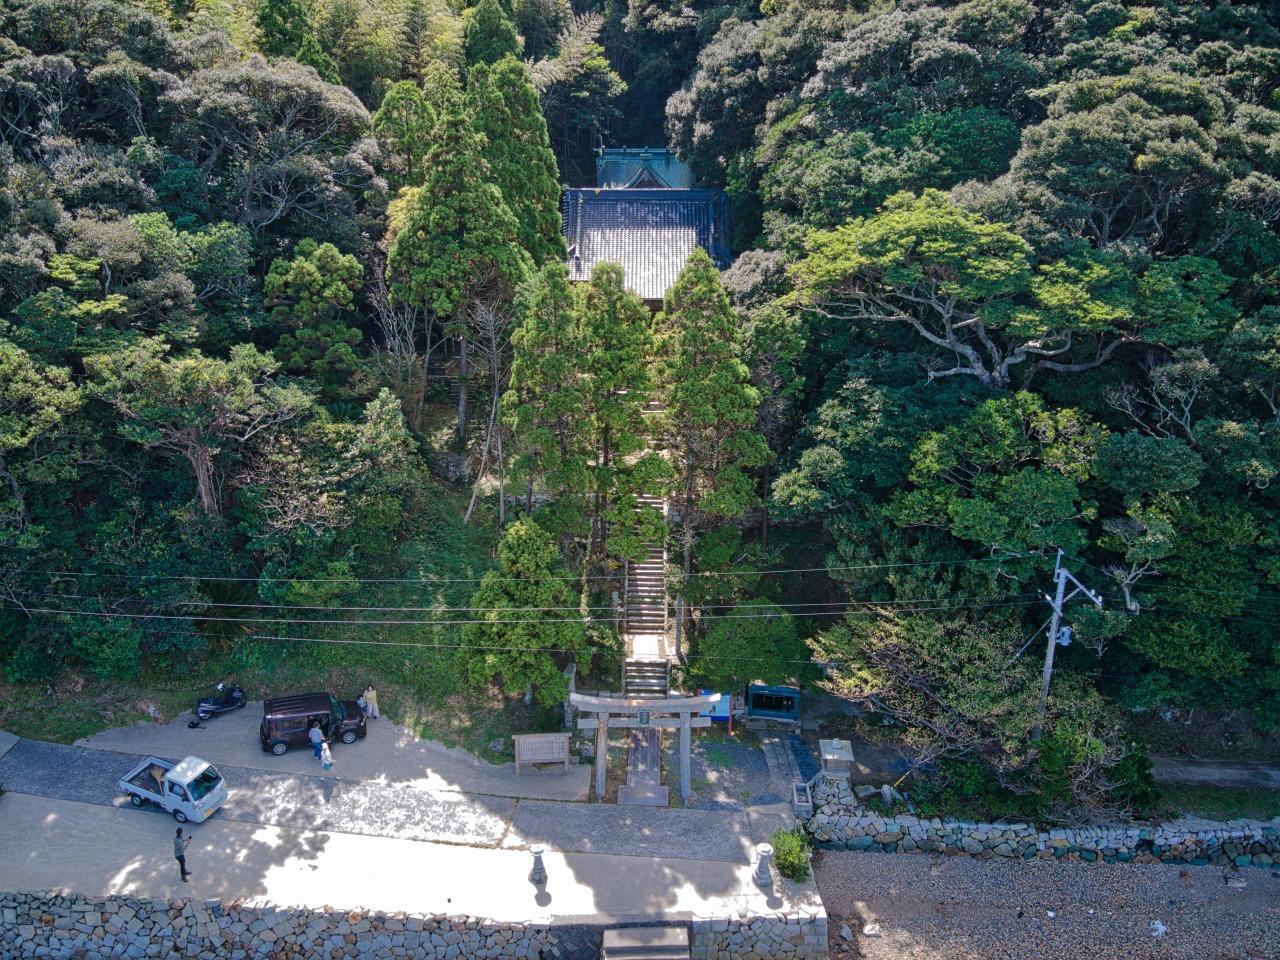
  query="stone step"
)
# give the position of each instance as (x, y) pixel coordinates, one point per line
(646, 943)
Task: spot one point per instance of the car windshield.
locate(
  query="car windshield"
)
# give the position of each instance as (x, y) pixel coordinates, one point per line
(202, 784)
(338, 709)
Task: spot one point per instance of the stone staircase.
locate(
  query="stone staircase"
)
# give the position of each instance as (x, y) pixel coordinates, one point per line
(646, 679)
(646, 943)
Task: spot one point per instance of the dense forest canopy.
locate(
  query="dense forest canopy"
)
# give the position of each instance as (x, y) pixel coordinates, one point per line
(1006, 289)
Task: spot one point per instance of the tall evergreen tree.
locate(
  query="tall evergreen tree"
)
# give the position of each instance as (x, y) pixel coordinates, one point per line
(404, 124)
(507, 112)
(618, 345)
(313, 55)
(489, 34)
(283, 26)
(460, 239)
(710, 402)
(545, 403)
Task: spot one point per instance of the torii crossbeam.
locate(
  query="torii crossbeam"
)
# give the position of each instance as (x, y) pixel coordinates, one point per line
(668, 713)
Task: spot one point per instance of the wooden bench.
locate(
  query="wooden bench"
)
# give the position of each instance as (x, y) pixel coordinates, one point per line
(541, 748)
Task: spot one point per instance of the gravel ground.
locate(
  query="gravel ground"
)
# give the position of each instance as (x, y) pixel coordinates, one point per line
(277, 799)
(962, 909)
(725, 773)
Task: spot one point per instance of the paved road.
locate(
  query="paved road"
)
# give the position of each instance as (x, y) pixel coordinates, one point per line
(93, 849)
(646, 831)
(390, 753)
(408, 810)
(963, 909)
(276, 799)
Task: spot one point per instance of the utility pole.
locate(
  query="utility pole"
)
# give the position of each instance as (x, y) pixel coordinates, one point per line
(1059, 600)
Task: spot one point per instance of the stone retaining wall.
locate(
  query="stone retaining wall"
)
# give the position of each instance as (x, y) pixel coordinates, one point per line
(790, 937)
(73, 927)
(840, 821)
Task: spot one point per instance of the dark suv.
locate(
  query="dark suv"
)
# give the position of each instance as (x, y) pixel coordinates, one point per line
(286, 720)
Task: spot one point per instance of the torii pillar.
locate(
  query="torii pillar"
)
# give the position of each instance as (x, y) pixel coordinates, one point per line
(668, 713)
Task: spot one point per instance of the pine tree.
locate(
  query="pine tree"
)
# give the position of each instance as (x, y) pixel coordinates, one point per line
(489, 34)
(283, 26)
(710, 402)
(545, 403)
(507, 112)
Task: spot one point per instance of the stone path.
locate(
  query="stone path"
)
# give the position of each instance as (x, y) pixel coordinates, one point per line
(782, 761)
(1218, 773)
(644, 772)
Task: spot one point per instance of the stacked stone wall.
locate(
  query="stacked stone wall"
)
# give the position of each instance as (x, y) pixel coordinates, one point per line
(86, 928)
(842, 821)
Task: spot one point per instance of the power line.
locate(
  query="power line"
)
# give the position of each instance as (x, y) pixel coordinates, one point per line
(577, 578)
(736, 605)
(943, 606)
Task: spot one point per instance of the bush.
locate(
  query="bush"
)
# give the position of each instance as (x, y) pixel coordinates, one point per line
(791, 853)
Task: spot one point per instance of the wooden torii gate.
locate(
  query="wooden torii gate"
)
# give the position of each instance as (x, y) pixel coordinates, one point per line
(670, 713)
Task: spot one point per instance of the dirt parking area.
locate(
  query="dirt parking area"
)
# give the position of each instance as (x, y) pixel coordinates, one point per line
(933, 908)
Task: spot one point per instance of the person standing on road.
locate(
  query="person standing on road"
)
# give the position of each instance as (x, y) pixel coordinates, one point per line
(180, 853)
(371, 702)
(317, 738)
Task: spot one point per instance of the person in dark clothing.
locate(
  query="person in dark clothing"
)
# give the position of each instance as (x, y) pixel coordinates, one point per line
(180, 853)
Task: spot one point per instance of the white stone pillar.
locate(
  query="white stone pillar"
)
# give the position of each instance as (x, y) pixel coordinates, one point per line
(764, 856)
(684, 757)
(602, 754)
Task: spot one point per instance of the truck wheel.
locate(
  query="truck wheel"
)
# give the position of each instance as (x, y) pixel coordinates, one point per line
(349, 736)
(179, 816)
(279, 748)
(136, 800)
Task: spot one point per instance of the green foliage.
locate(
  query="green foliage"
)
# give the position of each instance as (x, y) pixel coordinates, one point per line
(488, 33)
(313, 55)
(282, 25)
(758, 642)
(791, 853)
(525, 632)
(505, 109)
(459, 239)
(710, 403)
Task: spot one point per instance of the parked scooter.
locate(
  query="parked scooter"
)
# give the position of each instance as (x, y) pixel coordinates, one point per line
(228, 698)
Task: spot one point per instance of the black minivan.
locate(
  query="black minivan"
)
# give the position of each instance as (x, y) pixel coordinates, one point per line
(286, 720)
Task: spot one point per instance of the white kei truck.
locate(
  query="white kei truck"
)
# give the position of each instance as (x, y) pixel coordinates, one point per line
(190, 789)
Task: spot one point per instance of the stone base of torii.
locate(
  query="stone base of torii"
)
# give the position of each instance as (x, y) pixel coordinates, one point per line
(622, 713)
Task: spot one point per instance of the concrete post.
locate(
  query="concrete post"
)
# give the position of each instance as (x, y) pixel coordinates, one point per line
(764, 856)
(538, 875)
(602, 754)
(684, 757)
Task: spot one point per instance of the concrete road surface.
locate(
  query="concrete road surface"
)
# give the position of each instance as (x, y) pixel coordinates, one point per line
(61, 845)
(389, 754)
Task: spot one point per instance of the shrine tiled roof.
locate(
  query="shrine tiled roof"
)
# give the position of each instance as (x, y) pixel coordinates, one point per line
(622, 168)
(650, 232)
